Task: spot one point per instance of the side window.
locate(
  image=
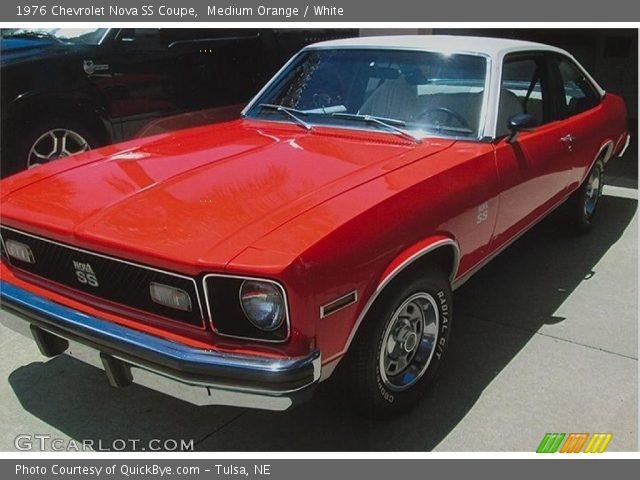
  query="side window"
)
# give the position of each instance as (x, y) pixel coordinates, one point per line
(142, 39)
(522, 91)
(578, 95)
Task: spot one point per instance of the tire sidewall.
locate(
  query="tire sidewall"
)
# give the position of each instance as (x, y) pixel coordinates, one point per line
(19, 151)
(440, 291)
(585, 221)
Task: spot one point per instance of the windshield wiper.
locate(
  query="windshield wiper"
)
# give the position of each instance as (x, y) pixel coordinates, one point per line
(390, 123)
(291, 112)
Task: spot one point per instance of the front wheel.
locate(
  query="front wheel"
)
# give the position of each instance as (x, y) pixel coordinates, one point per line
(47, 140)
(402, 343)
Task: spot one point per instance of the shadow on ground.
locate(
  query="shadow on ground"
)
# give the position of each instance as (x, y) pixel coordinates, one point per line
(497, 313)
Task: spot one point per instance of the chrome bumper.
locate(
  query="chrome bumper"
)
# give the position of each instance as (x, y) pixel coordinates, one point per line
(199, 376)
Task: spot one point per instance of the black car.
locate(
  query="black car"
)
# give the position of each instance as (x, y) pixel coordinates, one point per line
(66, 90)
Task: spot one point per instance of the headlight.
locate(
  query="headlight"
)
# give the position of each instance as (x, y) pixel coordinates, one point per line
(263, 304)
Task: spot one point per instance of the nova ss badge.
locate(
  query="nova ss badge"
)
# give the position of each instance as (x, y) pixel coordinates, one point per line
(85, 274)
(483, 213)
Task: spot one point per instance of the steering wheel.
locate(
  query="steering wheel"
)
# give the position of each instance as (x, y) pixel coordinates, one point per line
(451, 115)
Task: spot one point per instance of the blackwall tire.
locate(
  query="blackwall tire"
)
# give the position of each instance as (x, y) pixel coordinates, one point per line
(48, 140)
(584, 202)
(402, 343)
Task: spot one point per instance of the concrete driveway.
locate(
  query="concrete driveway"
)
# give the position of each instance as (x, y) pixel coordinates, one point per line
(545, 340)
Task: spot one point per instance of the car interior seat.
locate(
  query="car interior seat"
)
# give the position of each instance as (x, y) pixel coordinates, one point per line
(394, 98)
(509, 106)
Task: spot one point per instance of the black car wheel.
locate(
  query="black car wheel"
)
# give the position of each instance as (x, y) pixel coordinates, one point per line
(402, 343)
(47, 141)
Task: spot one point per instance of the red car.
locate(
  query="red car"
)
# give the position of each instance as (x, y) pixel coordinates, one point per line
(241, 263)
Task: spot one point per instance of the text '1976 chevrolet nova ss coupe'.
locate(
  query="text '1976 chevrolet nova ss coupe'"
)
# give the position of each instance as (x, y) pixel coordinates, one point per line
(324, 231)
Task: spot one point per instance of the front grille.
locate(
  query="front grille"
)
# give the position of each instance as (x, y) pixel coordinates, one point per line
(118, 281)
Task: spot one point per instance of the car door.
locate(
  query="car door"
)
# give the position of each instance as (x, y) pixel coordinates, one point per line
(143, 79)
(579, 106)
(536, 165)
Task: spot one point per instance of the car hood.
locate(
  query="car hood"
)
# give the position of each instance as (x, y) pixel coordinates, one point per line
(201, 196)
(17, 50)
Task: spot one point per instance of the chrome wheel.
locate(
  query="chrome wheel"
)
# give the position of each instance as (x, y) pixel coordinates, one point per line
(54, 144)
(409, 342)
(592, 191)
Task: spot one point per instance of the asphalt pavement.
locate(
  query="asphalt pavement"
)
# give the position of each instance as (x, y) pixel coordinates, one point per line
(545, 340)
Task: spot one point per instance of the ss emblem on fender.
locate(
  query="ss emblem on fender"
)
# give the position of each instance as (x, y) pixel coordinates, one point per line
(483, 213)
(85, 274)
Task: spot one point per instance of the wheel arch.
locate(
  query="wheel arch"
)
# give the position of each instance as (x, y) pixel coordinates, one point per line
(44, 104)
(605, 153)
(441, 251)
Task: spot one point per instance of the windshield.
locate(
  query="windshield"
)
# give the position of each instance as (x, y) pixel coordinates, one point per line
(423, 92)
(88, 36)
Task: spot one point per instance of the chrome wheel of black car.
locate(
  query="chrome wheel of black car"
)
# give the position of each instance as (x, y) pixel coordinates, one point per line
(56, 143)
(38, 141)
(409, 342)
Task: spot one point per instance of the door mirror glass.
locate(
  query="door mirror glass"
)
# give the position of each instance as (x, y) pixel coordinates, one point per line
(521, 121)
(518, 123)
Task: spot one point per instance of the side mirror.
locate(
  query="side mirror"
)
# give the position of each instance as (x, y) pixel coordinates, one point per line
(518, 123)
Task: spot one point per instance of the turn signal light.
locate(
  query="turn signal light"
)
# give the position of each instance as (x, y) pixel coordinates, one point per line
(19, 251)
(170, 296)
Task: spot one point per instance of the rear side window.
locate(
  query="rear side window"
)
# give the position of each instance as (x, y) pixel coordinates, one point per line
(578, 94)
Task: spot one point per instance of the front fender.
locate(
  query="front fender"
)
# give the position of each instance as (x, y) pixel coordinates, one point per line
(417, 251)
(405, 259)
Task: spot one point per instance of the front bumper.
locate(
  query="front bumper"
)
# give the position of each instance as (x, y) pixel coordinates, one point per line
(199, 376)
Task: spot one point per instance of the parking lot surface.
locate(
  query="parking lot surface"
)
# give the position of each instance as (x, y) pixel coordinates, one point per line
(545, 340)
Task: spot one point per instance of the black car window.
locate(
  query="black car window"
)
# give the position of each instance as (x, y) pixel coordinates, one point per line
(143, 39)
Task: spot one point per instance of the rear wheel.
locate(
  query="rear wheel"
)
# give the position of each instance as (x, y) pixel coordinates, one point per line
(402, 343)
(584, 201)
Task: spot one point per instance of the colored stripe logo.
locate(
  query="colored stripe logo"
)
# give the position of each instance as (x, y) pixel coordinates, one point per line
(573, 443)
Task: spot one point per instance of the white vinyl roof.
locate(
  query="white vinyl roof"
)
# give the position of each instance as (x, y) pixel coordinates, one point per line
(493, 47)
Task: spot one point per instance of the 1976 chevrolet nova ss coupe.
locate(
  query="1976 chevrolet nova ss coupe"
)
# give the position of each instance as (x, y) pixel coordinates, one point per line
(241, 263)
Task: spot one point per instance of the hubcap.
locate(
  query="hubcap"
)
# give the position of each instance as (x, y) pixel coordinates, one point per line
(409, 341)
(592, 192)
(54, 144)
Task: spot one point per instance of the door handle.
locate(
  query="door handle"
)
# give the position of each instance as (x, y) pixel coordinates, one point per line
(568, 138)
